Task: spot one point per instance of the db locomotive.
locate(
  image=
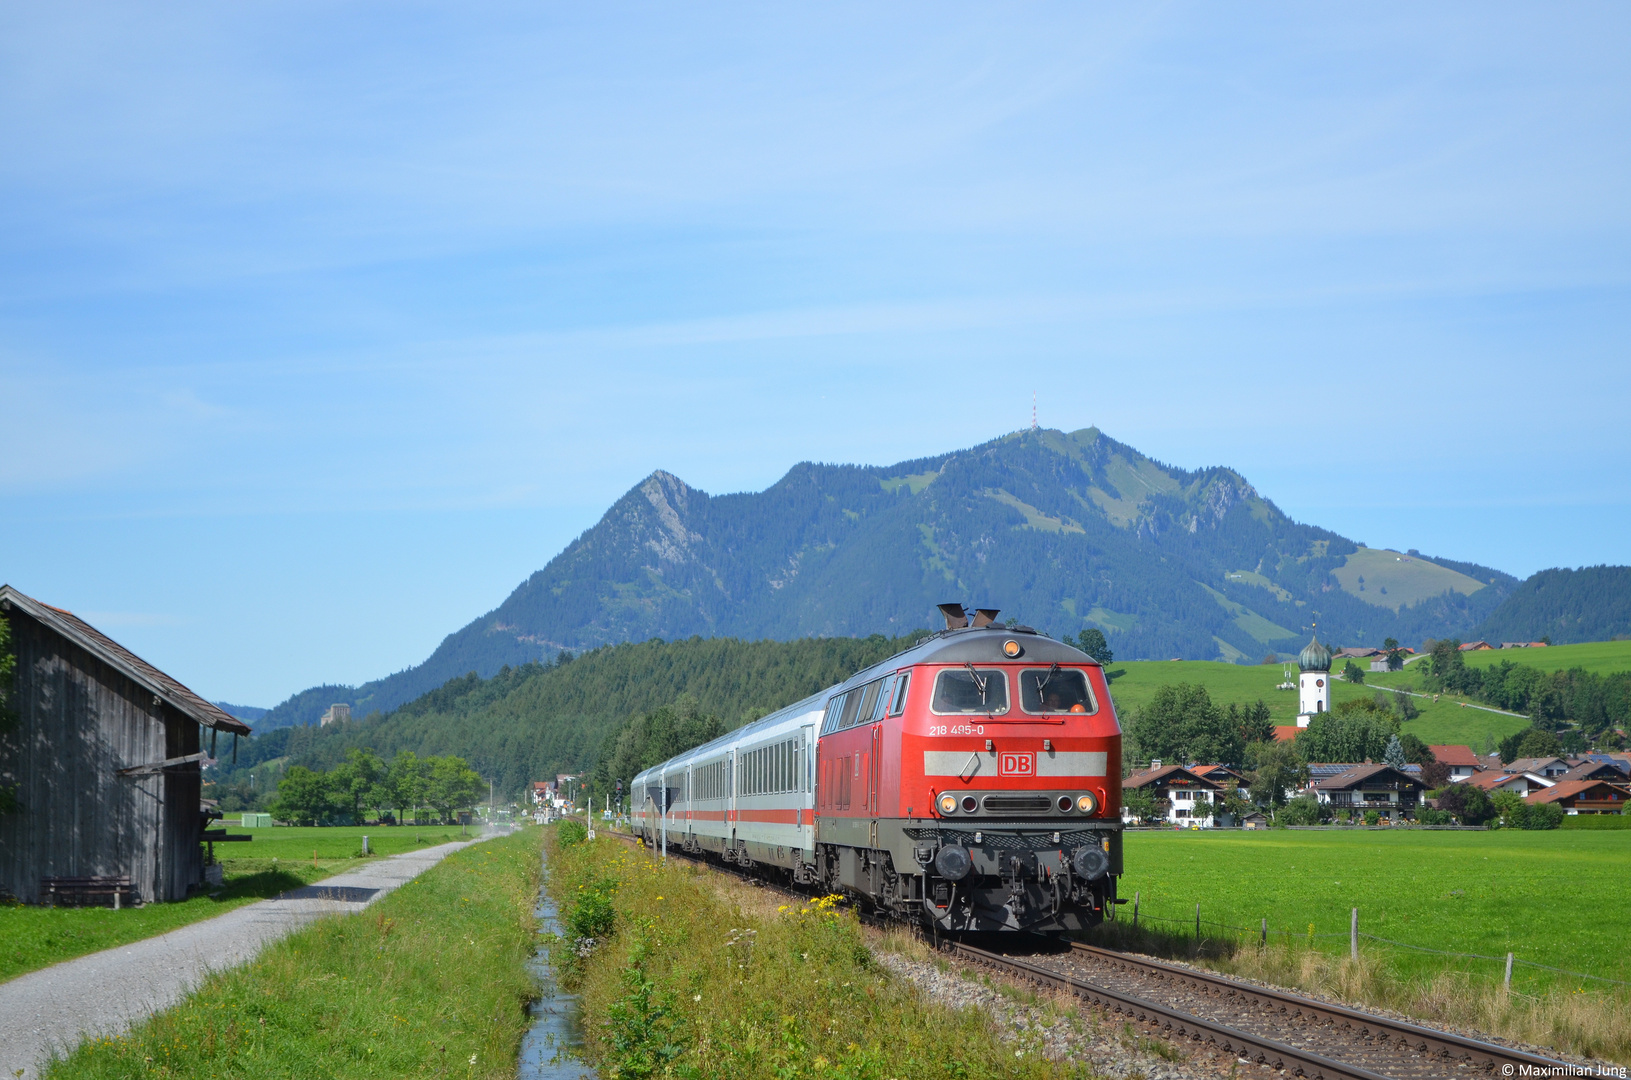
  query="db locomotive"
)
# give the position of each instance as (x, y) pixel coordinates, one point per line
(971, 783)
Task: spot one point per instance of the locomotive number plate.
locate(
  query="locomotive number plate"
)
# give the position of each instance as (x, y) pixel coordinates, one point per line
(1016, 765)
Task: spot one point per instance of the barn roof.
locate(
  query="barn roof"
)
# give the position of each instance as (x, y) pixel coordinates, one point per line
(116, 656)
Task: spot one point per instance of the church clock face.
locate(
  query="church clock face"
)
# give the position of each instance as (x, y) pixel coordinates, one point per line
(1319, 682)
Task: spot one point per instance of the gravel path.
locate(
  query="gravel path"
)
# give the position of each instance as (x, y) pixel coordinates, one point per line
(51, 1010)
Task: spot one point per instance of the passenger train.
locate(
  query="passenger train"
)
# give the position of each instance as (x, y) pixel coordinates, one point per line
(971, 783)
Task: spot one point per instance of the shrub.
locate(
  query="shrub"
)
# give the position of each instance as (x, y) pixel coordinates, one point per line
(571, 831)
(1305, 809)
(1429, 816)
(1596, 821)
(1373, 817)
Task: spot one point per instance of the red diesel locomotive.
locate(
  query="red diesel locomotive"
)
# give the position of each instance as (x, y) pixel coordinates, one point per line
(972, 783)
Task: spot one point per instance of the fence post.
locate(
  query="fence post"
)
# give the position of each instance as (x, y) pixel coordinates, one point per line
(1197, 924)
(1264, 940)
(1507, 985)
(1135, 908)
(1353, 935)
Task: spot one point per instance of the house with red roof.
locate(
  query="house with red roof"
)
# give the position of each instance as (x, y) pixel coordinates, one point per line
(1392, 792)
(1583, 796)
(1189, 796)
(1461, 760)
(1522, 783)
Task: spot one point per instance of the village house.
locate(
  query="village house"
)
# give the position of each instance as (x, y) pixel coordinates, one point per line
(1595, 770)
(1583, 796)
(1476, 646)
(105, 764)
(1522, 783)
(1189, 796)
(1461, 760)
(1392, 792)
(1549, 767)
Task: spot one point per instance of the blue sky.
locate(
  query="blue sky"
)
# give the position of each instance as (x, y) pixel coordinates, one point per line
(322, 325)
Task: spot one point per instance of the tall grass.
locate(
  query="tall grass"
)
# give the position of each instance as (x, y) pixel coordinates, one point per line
(429, 981)
(695, 978)
(1575, 1019)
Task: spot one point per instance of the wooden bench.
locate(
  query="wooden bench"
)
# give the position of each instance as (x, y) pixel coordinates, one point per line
(115, 892)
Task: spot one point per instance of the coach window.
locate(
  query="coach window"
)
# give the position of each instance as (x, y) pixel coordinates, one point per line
(898, 705)
(1055, 690)
(967, 690)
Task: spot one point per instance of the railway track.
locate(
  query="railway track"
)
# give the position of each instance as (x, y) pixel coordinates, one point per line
(1283, 1031)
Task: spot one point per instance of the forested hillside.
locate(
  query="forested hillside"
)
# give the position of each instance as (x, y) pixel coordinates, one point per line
(1568, 606)
(533, 721)
(1064, 531)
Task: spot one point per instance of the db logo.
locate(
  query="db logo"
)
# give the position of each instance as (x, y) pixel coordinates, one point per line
(1016, 765)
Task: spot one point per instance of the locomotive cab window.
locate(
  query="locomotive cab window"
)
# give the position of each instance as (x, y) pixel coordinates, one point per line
(1055, 690)
(968, 690)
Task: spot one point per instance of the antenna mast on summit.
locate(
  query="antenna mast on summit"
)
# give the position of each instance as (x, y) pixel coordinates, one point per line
(1033, 410)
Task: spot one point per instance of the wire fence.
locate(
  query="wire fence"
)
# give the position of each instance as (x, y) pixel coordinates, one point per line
(1198, 928)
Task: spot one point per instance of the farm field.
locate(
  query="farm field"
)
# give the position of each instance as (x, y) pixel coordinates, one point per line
(1554, 898)
(277, 859)
(1602, 657)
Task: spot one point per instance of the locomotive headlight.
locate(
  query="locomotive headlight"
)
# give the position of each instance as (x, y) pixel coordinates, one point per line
(948, 804)
(1011, 649)
(1086, 803)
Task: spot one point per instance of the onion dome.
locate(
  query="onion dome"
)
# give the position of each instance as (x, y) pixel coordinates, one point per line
(1314, 657)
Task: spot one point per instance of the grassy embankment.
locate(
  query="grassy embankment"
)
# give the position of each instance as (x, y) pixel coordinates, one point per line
(276, 860)
(1551, 898)
(708, 978)
(430, 980)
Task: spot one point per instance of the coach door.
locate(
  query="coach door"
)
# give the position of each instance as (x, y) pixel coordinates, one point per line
(730, 798)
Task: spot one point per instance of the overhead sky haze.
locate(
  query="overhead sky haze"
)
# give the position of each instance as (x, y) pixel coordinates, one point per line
(323, 325)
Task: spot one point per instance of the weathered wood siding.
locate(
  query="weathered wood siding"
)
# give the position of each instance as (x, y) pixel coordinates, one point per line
(80, 721)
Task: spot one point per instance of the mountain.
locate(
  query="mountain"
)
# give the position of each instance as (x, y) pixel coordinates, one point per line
(1592, 603)
(247, 713)
(1062, 530)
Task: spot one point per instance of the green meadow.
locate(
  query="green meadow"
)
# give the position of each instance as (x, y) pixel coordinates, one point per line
(277, 859)
(1602, 657)
(1555, 898)
(1451, 719)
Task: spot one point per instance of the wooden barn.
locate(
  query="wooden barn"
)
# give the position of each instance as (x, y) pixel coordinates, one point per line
(103, 760)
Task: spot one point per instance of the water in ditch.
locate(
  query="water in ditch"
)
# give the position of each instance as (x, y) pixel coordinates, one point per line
(552, 1047)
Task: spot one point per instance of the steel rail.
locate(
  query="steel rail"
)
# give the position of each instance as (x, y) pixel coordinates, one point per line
(1440, 1044)
(1242, 1044)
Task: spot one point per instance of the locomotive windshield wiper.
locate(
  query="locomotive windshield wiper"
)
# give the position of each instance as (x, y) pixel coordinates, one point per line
(1042, 681)
(979, 683)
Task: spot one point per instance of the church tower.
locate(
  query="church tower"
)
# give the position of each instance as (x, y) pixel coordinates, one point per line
(1314, 684)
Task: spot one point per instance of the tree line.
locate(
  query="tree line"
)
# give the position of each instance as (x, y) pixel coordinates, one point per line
(363, 782)
(533, 721)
